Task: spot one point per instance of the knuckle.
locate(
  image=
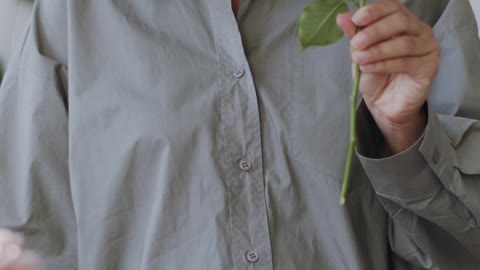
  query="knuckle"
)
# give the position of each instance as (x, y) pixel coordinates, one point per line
(375, 31)
(381, 66)
(378, 52)
(409, 43)
(375, 53)
(404, 63)
(401, 20)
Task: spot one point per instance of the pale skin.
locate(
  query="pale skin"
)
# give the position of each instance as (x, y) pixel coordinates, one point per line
(12, 254)
(399, 59)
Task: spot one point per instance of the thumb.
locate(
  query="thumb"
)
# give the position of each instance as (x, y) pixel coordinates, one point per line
(344, 21)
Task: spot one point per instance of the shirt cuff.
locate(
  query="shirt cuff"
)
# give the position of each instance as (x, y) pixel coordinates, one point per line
(412, 174)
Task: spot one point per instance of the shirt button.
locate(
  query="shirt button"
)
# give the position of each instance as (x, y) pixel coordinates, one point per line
(239, 73)
(253, 256)
(245, 164)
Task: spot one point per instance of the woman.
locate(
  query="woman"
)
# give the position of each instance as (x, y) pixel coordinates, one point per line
(175, 135)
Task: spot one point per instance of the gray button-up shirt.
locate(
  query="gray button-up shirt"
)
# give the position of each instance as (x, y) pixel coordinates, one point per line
(141, 135)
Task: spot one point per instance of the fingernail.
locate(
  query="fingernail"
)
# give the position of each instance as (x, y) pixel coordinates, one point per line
(360, 17)
(359, 40)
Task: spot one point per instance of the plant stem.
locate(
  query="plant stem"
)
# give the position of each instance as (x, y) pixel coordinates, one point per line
(353, 122)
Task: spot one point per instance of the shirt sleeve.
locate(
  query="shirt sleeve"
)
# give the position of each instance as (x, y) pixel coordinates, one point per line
(432, 190)
(35, 197)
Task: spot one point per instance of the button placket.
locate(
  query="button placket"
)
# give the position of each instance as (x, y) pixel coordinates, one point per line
(240, 119)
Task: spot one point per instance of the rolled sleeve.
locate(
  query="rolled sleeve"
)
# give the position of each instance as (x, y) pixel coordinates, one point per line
(414, 173)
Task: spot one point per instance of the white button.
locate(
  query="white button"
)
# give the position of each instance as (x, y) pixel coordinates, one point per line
(239, 73)
(245, 164)
(253, 256)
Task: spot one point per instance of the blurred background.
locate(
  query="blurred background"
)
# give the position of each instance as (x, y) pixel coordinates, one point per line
(15, 13)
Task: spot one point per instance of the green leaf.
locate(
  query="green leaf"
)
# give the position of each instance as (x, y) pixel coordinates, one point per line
(317, 23)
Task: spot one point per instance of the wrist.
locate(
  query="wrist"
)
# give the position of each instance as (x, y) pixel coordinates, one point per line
(400, 136)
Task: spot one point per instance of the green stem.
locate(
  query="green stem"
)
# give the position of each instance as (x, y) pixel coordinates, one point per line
(351, 142)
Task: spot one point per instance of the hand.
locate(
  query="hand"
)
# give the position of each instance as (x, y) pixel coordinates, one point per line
(12, 255)
(399, 58)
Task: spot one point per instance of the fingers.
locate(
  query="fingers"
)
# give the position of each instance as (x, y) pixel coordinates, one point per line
(398, 23)
(12, 256)
(10, 248)
(344, 21)
(403, 46)
(392, 40)
(374, 12)
(406, 65)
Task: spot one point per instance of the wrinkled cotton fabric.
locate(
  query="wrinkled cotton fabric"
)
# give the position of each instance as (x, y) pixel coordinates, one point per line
(172, 135)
